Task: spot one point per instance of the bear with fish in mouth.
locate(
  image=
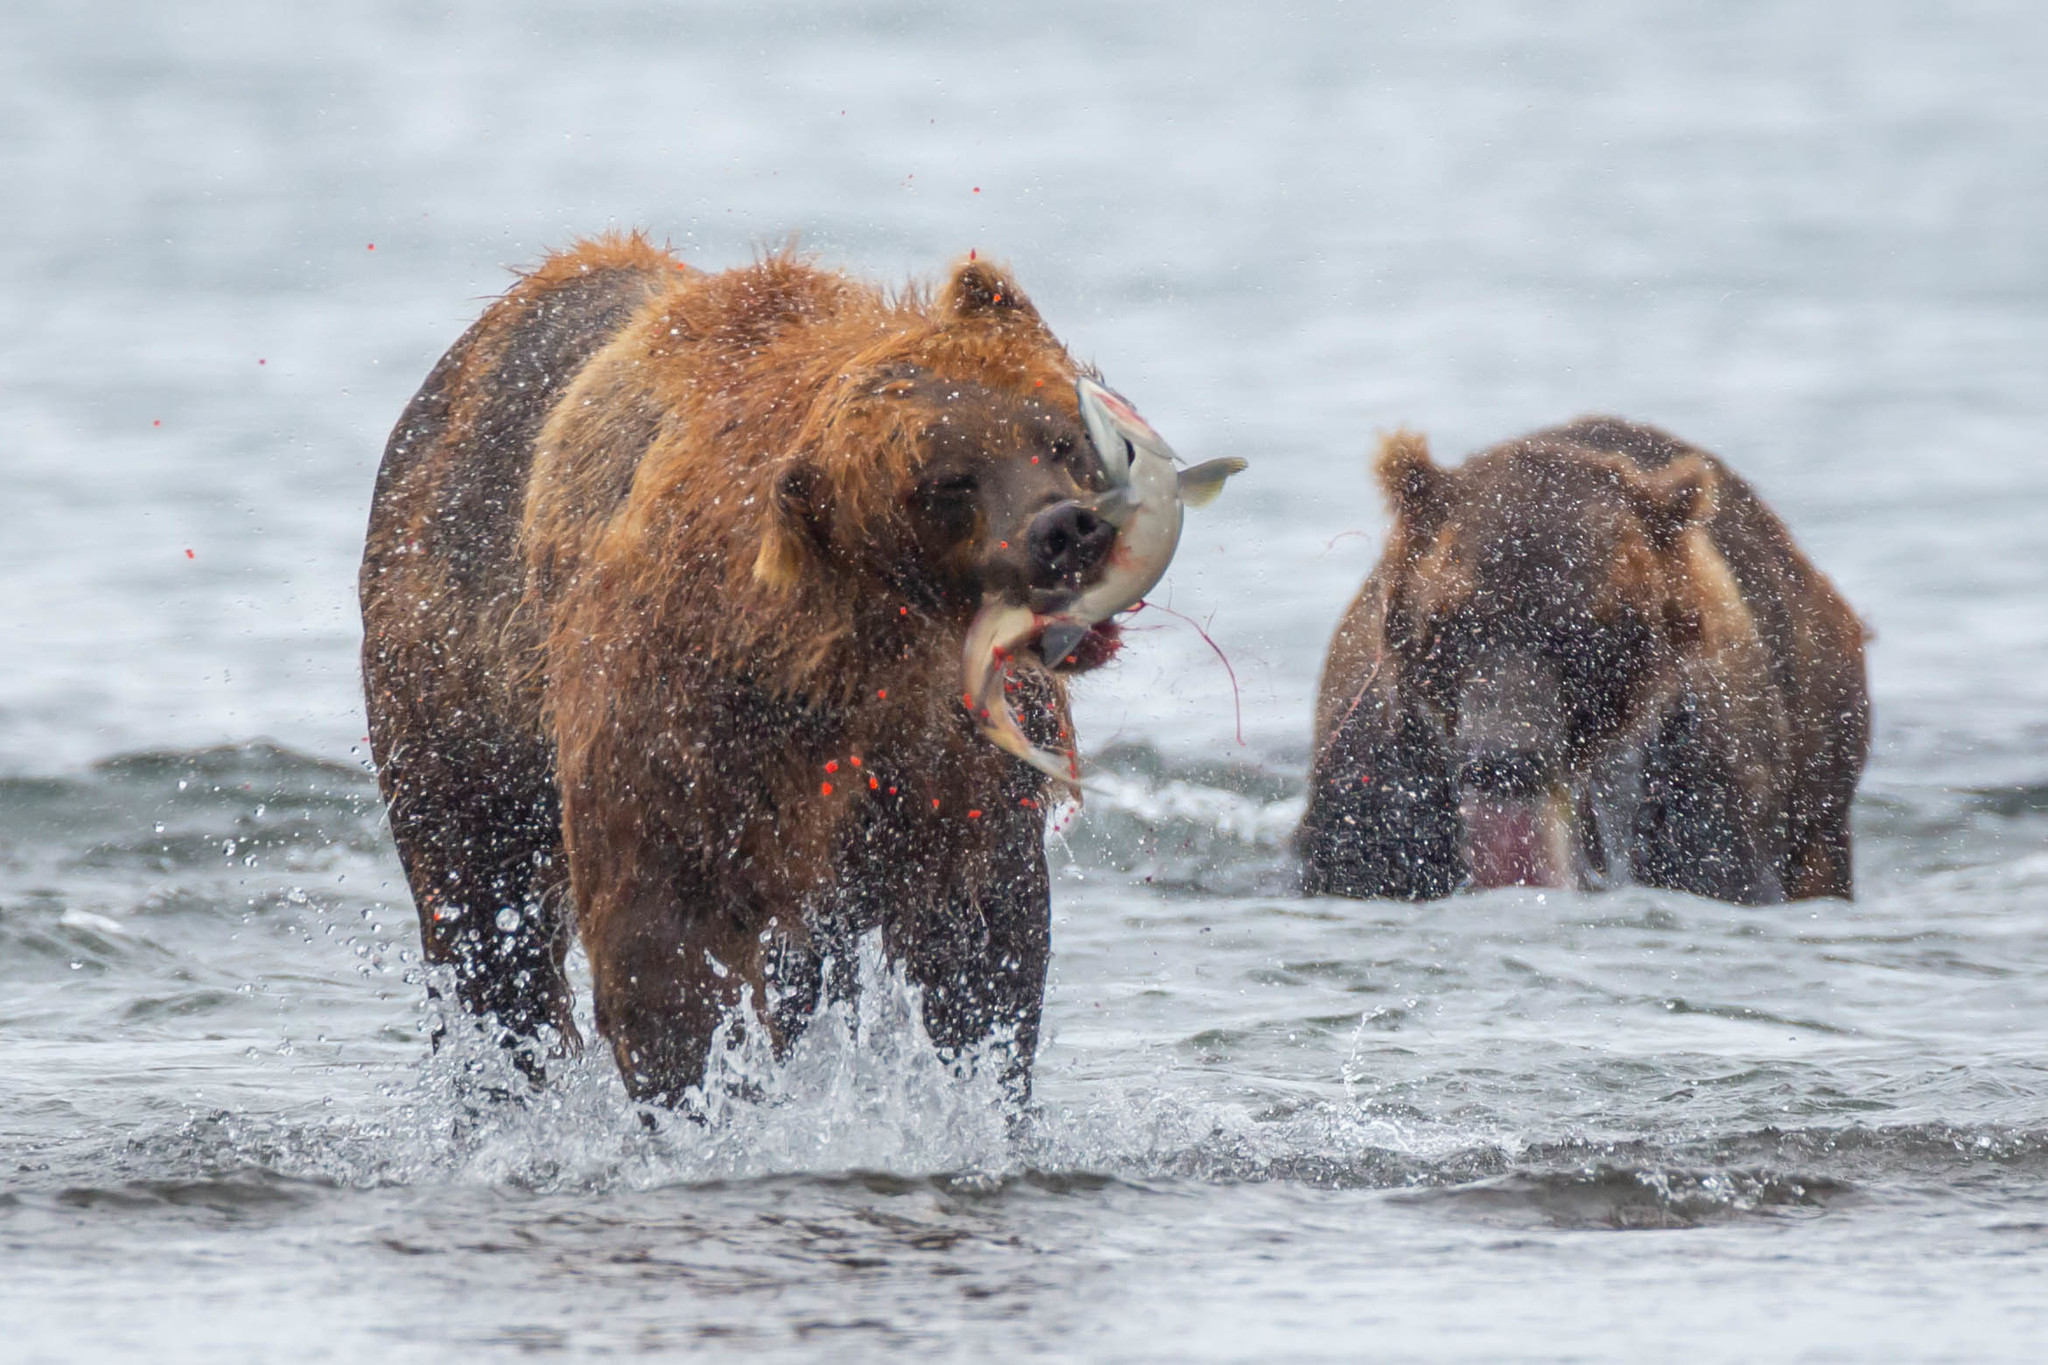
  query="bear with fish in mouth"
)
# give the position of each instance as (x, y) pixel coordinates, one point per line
(674, 586)
(1588, 656)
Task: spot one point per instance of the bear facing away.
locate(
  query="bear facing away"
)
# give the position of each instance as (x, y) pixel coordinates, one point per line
(1588, 656)
(664, 598)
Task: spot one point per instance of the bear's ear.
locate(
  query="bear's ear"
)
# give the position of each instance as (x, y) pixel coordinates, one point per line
(1681, 495)
(981, 289)
(1413, 483)
(792, 533)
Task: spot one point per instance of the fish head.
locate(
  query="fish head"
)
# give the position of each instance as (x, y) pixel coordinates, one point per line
(1143, 503)
(1125, 443)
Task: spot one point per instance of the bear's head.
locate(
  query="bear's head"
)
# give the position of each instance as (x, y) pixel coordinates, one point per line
(1543, 603)
(945, 466)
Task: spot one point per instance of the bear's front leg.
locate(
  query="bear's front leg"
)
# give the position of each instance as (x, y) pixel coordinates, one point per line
(979, 943)
(478, 834)
(1382, 818)
(1701, 828)
(668, 966)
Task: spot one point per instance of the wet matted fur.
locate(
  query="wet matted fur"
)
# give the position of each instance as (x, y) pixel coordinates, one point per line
(1603, 625)
(664, 595)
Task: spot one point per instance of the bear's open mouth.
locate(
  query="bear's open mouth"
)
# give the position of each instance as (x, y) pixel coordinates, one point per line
(1518, 842)
(1004, 634)
(1098, 645)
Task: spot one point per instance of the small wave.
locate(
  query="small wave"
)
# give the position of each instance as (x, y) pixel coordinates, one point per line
(1632, 1197)
(258, 765)
(40, 929)
(2015, 802)
(1227, 814)
(1217, 828)
(1747, 1014)
(234, 1197)
(175, 812)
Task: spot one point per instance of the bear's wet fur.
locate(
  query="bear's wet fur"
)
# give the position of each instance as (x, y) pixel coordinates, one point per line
(1603, 625)
(666, 583)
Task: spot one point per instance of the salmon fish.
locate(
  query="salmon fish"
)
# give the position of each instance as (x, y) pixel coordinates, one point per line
(1147, 494)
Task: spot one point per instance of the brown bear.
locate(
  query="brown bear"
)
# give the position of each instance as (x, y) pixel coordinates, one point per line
(1588, 656)
(667, 579)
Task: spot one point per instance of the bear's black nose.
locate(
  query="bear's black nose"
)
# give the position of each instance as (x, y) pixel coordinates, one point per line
(1502, 770)
(1066, 543)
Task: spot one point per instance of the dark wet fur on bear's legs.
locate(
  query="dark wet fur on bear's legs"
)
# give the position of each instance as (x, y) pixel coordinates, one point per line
(1602, 633)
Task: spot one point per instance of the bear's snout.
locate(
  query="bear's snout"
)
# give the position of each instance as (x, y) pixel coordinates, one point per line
(1504, 771)
(1067, 542)
(1507, 731)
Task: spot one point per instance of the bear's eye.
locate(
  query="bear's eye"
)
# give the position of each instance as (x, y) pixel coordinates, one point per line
(949, 504)
(1441, 649)
(952, 488)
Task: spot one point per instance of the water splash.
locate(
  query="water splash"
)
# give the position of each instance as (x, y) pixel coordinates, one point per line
(863, 1089)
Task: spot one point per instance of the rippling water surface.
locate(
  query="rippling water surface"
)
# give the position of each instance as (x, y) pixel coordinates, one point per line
(1519, 1125)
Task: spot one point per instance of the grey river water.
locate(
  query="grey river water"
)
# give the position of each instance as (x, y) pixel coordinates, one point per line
(1513, 1126)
